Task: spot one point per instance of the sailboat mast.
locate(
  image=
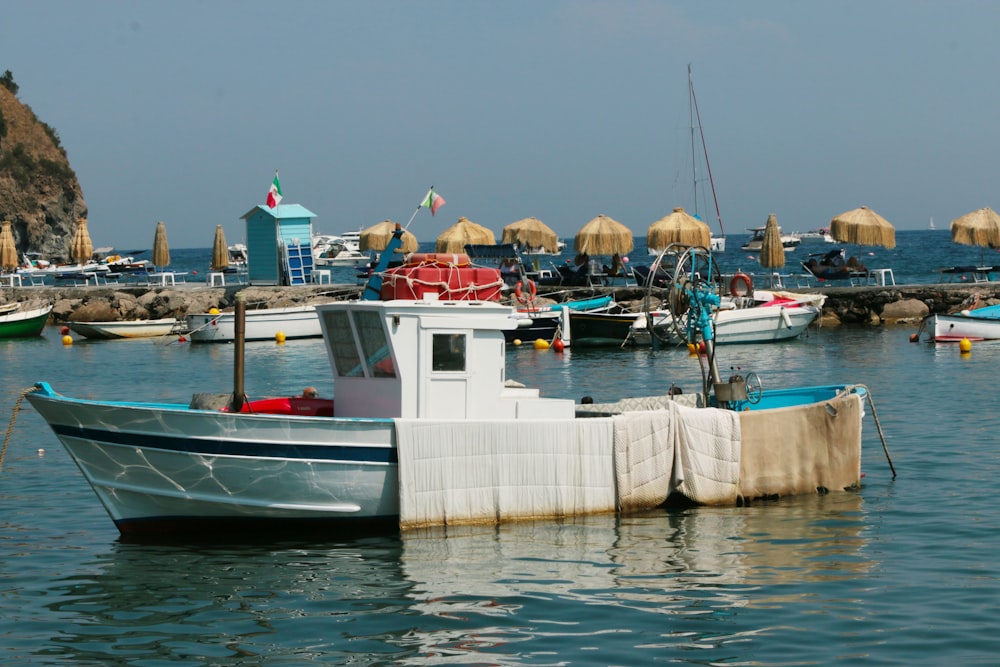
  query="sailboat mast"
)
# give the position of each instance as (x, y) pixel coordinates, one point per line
(694, 154)
(708, 165)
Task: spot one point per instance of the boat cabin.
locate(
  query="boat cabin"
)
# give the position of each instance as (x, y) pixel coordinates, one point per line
(427, 359)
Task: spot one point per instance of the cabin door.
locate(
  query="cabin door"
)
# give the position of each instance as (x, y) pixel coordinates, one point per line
(446, 386)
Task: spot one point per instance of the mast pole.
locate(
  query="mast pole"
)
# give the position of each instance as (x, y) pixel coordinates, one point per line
(694, 155)
(708, 165)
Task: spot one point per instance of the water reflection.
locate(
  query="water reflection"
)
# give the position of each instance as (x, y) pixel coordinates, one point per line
(512, 594)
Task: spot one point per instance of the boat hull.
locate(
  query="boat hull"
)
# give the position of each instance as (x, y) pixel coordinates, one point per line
(152, 465)
(24, 323)
(294, 322)
(601, 329)
(160, 468)
(763, 324)
(124, 329)
(953, 328)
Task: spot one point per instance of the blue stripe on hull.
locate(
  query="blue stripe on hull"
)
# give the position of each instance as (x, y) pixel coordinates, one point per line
(270, 450)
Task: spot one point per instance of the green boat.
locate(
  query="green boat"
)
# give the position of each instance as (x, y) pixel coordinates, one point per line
(24, 323)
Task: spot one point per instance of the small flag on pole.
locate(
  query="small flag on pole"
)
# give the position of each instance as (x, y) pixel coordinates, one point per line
(433, 201)
(274, 194)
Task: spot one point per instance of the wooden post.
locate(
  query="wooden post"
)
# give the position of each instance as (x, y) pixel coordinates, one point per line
(239, 336)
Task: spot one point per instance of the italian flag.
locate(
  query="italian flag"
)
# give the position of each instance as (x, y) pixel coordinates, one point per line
(433, 201)
(274, 194)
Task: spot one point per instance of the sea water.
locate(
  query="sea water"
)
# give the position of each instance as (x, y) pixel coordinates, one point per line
(903, 571)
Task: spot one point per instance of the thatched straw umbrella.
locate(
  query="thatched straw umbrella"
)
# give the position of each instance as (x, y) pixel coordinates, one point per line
(455, 238)
(220, 251)
(531, 234)
(980, 228)
(82, 247)
(864, 227)
(603, 236)
(378, 235)
(679, 227)
(161, 250)
(8, 248)
(772, 251)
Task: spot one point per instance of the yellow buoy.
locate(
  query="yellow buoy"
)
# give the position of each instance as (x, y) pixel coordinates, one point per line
(280, 337)
(541, 344)
(213, 311)
(965, 345)
(67, 340)
(517, 341)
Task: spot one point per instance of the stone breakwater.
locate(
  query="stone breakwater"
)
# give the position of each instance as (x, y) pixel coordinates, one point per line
(895, 304)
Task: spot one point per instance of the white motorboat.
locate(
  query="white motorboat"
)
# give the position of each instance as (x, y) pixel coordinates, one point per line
(126, 328)
(427, 429)
(263, 324)
(756, 241)
(816, 235)
(343, 250)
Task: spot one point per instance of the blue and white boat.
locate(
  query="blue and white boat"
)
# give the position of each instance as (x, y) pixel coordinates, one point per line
(427, 429)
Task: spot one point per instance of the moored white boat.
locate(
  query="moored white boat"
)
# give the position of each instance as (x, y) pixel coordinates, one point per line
(126, 328)
(977, 324)
(756, 240)
(262, 324)
(427, 429)
(343, 250)
(772, 317)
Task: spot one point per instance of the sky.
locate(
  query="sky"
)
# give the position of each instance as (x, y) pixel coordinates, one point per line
(562, 110)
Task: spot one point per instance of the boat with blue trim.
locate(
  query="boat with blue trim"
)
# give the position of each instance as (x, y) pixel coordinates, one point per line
(426, 429)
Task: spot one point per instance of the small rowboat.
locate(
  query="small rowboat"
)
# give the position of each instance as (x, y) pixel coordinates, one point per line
(24, 323)
(125, 328)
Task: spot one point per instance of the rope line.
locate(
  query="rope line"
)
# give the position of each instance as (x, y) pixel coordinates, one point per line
(10, 427)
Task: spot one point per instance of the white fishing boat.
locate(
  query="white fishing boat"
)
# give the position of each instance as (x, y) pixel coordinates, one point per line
(262, 324)
(126, 328)
(427, 429)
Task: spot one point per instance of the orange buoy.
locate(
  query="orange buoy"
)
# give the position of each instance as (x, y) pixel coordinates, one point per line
(558, 345)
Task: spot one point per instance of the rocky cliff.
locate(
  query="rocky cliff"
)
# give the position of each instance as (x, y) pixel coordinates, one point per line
(39, 192)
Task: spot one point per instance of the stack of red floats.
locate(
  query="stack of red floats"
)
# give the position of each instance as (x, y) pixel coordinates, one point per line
(441, 276)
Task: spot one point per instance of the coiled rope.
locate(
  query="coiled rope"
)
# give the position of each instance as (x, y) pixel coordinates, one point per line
(10, 427)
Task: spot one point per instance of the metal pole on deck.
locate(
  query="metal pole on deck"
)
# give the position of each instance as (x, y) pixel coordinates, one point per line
(239, 342)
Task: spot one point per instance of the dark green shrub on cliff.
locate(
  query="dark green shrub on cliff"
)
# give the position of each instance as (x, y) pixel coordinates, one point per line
(19, 164)
(7, 81)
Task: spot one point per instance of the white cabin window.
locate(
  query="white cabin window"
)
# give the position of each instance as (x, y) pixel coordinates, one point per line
(374, 344)
(449, 352)
(345, 350)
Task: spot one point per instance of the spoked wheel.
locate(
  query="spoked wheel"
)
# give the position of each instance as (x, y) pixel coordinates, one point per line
(754, 388)
(694, 291)
(661, 331)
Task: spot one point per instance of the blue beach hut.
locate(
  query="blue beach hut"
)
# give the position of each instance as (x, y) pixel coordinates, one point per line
(279, 245)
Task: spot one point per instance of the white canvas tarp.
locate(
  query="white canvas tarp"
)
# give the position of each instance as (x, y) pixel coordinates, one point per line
(476, 472)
